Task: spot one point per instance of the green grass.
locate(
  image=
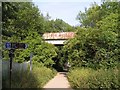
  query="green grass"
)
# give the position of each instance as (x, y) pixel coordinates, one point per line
(37, 79)
(89, 78)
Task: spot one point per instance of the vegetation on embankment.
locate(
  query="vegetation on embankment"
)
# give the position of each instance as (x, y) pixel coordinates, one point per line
(39, 76)
(94, 54)
(97, 42)
(90, 78)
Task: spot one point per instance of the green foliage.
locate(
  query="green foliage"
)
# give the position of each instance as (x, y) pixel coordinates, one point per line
(57, 25)
(90, 16)
(89, 78)
(98, 45)
(96, 13)
(109, 23)
(25, 17)
(42, 52)
(79, 78)
(25, 24)
(92, 48)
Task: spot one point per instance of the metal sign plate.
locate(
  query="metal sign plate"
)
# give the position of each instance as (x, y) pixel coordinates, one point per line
(9, 45)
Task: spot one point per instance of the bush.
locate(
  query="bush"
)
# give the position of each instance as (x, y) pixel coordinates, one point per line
(92, 48)
(79, 77)
(104, 79)
(89, 78)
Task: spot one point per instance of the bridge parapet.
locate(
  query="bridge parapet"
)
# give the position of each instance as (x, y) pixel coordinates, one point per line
(58, 38)
(61, 35)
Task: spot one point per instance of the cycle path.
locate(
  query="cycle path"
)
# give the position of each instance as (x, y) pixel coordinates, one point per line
(59, 81)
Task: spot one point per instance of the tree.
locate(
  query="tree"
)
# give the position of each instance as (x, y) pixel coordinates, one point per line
(95, 13)
(26, 24)
(96, 46)
(90, 16)
(57, 25)
(22, 18)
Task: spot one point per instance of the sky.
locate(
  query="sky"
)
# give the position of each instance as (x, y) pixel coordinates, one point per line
(67, 10)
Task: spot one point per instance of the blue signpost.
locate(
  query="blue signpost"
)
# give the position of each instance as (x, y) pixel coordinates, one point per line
(11, 47)
(8, 45)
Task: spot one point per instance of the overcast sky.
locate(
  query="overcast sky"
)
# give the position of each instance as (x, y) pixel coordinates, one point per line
(66, 10)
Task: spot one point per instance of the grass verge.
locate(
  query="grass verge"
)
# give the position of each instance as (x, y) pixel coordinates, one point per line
(39, 76)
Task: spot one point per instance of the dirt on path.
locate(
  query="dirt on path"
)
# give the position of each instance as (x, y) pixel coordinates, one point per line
(59, 81)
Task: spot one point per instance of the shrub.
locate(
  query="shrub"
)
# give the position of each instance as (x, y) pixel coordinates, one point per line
(104, 79)
(92, 48)
(89, 78)
(79, 77)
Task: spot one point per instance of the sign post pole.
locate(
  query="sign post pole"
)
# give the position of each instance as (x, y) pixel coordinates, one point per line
(12, 47)
(11, 55)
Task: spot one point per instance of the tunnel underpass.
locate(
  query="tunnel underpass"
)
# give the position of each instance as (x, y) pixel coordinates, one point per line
(58, 40)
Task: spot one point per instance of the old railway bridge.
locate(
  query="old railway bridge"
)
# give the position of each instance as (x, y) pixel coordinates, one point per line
(58, 38)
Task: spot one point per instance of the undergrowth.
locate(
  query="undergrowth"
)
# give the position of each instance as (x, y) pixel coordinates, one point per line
(90, 78)
(39, 76)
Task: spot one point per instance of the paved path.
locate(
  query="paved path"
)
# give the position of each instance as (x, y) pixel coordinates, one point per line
(59, 81)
